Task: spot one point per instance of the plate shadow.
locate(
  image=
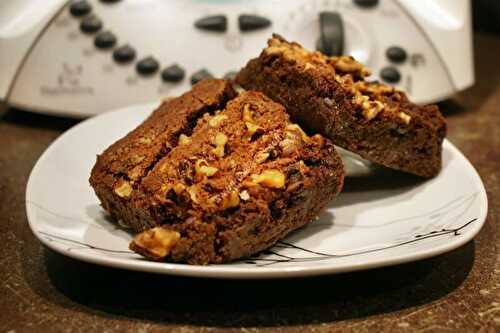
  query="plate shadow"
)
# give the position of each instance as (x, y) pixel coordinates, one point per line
(165, 299)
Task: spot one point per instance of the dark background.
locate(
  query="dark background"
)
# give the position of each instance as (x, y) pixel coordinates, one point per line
(486, 15)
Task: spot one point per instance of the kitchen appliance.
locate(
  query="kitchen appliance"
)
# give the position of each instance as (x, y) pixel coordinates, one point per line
(84, 57)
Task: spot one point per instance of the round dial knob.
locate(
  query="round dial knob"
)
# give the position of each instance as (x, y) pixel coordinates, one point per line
(335, 33)
(331, 34)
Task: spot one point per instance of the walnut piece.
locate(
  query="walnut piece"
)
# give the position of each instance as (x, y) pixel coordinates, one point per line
(217, 120)
(261, 157)
(219, 141)
(231, 200)
(244, 195)
(184, 139)
(404, 117)
(360, 99)
(193, 193)
(270, 178)
(308, 66)
(179, 188)
(167, 169)
(247, 114)
(348, 64)
(373, 88)
(294, 138)
(136, 159)
(135, 173)
(157, 242)
(296, 128)
(124, 189)
(208, 170)
(218, 151)
(145, 140)
(371, 109)
(232, 163)
(252, 129)
(291, 51)
(250, 124)
(203, 169)
(275, 49)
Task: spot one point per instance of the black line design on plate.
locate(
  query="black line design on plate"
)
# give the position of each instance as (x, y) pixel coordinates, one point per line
(64, 217)
(259, 260)
(82, 245)
(460, 204)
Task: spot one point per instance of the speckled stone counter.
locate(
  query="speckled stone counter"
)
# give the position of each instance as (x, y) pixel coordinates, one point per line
(459, 291)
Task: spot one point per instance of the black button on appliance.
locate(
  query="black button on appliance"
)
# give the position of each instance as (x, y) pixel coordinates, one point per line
(173, 73)
(80, 8)
(252, 22)
(331, 39)
(124, 54)
(396, 54)
(109, 1)
(390, 75)
(216, 23)
(147, 66)
(366, 3)
(91, 24)
(200, 75)
(105, 40)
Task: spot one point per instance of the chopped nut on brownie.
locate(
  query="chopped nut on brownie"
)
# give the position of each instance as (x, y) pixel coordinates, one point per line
(155, 243)
(136, 159)
(179, 188)
(269, 178)
(244, 195)
(124, 189)
(203, 169)
(406, 118)
(261, 156)
(230, 200)
(252, 130)
(145, 140)
(184, 139)
(219, 141)
(217, 120)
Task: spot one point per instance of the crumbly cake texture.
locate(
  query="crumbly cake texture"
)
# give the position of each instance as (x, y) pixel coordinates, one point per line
(329, 95)
(121, 167)
(232, 185)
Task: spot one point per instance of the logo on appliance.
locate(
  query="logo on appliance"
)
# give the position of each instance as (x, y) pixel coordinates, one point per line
(68, 83)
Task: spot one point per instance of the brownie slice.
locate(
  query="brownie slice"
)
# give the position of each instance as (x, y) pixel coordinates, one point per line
(236, 183)
(330, 95)
(121, 167)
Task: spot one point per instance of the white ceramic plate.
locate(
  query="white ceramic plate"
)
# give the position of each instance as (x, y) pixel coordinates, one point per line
(381, 218)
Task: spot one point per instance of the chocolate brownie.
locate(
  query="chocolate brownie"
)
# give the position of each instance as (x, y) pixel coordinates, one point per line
(121, 167)
(331, 96)
(234, 184)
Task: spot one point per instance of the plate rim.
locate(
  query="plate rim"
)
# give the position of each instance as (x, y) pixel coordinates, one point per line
(231, 272)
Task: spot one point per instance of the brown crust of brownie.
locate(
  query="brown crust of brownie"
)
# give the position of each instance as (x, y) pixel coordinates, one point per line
(330, 96)
(268, 179)
(129, 159)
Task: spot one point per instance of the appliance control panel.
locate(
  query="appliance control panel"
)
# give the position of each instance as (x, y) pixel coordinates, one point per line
(97, 55)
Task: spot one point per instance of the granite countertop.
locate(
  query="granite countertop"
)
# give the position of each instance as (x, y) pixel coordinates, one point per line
(457, 291)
